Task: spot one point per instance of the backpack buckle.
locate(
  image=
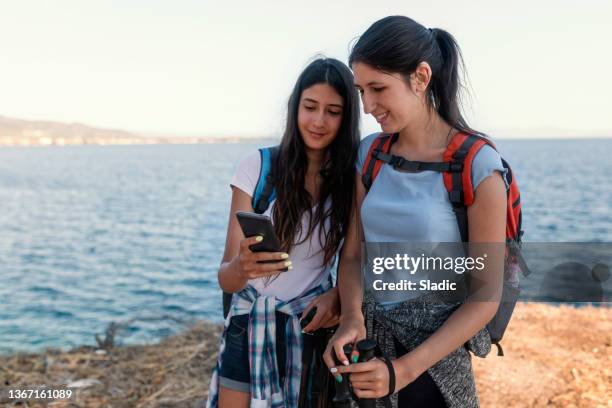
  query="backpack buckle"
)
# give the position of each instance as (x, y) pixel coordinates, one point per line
(397, 161)
(382, 156)
(456, 198)
(456, 167)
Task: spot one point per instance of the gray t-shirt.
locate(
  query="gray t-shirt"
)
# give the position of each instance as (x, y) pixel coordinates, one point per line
(405, 207)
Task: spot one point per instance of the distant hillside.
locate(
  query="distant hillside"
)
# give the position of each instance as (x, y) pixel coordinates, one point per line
(19, 132)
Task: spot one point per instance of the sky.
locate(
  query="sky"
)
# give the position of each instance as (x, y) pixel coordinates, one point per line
(202, 68)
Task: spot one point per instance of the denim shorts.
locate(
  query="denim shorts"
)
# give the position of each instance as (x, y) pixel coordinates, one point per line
(235, 372)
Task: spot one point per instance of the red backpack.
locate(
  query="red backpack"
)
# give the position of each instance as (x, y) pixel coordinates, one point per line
(456, 170)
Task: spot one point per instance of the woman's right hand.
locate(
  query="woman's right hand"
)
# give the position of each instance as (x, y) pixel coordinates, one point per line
(249, 264)
(351, 330)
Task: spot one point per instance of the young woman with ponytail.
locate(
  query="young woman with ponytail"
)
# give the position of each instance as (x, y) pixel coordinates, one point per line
(408, 77)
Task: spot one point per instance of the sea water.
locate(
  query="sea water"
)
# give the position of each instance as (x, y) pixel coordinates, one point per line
(135, 234)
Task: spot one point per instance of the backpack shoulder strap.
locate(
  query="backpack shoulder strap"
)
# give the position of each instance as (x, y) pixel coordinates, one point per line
(461, 152)
(264, 192)
(262, 197)
(371, 166)
(458, 182)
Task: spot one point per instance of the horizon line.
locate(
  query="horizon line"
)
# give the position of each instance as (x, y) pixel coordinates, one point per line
(499, 134)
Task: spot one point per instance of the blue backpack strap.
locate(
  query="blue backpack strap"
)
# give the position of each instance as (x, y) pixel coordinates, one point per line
(264, 192)
(263, 195)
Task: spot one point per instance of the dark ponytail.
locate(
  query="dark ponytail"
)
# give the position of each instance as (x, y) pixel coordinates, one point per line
(399, 44)
(444, 90)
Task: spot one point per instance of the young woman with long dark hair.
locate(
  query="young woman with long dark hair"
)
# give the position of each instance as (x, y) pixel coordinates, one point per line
(409, 80)
(259, 361)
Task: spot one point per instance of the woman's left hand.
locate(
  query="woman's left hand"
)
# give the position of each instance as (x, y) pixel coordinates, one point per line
(371, 378)
(328, 311)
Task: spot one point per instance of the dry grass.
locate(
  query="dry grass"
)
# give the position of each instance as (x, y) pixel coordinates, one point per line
(555, 357)
(173, 373)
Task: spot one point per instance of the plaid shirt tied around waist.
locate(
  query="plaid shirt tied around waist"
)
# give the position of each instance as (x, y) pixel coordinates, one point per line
(265, 387)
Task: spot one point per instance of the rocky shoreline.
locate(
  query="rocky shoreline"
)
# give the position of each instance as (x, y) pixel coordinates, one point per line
(555, 357)
(20, 132)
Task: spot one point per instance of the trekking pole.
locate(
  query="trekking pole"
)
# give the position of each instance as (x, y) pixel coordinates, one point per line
(343, 398)
(304, 399)
(367, 350)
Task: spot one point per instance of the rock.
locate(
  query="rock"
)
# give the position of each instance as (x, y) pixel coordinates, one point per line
(84, 383)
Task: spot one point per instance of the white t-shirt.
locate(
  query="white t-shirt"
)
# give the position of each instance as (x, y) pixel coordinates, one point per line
(307, 258)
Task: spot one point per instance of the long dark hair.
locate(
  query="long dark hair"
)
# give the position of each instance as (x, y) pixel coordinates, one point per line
(398, 44)
(338, 169)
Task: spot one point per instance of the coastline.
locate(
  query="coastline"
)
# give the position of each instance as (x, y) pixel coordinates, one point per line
(24, 133)
(19, 141)
(556, 356)
(7, 141)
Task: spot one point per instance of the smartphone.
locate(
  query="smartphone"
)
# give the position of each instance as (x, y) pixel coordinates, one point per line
(305, 321)
(257, 224)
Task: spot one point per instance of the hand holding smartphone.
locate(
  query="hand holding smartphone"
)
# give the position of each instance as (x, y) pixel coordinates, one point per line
(260, 225)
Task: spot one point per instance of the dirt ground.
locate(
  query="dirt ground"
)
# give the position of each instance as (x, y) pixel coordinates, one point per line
(555, 357)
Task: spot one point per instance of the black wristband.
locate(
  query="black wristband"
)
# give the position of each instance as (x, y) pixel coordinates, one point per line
(391, 375)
